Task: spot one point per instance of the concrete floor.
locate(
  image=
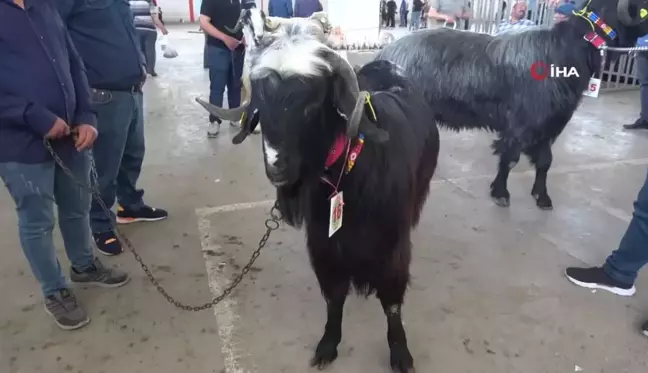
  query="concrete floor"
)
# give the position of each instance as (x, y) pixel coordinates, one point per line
(488, 292)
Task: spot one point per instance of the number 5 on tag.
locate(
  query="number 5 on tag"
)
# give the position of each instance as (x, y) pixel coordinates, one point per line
(593, 88)
(335, 219)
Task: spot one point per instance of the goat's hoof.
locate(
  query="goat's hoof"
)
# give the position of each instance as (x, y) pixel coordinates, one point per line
(502, 201)
(325, 354)
(401, 361)
(500, 196)
(543, 202)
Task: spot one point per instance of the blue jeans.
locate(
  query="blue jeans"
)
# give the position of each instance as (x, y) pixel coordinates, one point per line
(416, 20)
(118, 153)
(624, 264)
(642, 74)
(147, 46)
(35, 188)
(225, 70)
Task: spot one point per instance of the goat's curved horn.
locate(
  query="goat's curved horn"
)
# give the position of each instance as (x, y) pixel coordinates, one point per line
(271, 24)
(353, 101)
(623, 11)
(239, 23)
(232, 114)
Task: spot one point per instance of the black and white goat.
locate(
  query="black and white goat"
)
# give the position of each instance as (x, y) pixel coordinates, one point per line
(321, 119)
(477, 81)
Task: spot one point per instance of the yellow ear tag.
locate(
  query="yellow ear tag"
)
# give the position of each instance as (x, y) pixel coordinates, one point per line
(643, 13)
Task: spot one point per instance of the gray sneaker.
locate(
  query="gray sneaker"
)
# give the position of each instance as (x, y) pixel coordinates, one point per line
(65, 310)
(99, 275)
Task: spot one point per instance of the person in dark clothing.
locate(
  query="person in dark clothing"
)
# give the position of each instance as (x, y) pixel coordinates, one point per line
(225, 54)
(306, 8)
(106, 39)
(280, 8)
(619, 272)
(44, 94)
(391, 13)
(403, 13)
(417, 8)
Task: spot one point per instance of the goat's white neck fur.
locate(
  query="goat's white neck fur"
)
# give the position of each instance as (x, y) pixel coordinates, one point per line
(289, 56)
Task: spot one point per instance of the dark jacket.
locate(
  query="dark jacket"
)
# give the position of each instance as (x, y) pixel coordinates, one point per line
(391, 7)
(42, 78)
(417, 6)
(305, 8)
(280, 8)
(104, 34)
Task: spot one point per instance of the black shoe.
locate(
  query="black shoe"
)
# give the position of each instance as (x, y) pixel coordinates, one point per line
(596, 278)
(107, 243)
(145, 213)
(644, 328)
(638, 124)
(154, 74)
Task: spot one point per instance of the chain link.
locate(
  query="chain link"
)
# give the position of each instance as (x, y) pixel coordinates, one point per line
(271, 224)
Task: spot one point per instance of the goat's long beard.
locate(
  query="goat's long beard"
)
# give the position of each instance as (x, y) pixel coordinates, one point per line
(292, 203)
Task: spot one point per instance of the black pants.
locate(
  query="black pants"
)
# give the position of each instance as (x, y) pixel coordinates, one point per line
(391, 20)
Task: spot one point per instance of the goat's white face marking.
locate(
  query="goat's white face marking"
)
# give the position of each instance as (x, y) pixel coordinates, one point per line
(292, 56)
(257, 22)
(271, 154)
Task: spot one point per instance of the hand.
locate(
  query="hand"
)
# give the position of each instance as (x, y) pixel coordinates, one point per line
(86, 136)
(141, 85)
(58, 130)
(231, 43)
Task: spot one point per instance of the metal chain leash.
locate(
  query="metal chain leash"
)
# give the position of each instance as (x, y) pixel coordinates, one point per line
(271, 224)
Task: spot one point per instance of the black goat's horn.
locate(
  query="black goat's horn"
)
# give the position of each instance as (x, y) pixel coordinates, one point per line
(623, 11)
(232, 114)
(350, 101)
(239, 23)
(271, 25)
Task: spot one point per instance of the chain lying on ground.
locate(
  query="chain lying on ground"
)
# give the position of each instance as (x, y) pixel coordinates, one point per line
(271, 224)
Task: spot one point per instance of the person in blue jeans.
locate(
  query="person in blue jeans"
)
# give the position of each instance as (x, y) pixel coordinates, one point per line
(225, 53)
(620, 270)
(104, 34)
(642, 74)
(44, 95)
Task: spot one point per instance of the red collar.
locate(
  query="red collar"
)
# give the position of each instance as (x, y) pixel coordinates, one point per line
(595, 39)
(336, 150)
(341, 146)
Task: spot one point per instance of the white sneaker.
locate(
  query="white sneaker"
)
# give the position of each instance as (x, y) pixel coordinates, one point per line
(213, 130)
(235, 123)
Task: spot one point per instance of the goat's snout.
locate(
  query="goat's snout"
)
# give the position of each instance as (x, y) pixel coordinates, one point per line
(275, 164)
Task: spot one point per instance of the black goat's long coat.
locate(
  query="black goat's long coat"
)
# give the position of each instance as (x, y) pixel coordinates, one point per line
(383, 194)
(477, 81)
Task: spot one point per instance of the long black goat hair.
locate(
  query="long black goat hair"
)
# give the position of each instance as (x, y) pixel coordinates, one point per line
(307, 107)
(478, 81)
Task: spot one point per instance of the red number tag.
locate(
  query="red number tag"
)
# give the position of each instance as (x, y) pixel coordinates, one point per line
(337, 208)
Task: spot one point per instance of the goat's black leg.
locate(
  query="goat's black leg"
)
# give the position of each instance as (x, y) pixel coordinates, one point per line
(509, 152)
(540, 156)
(335, 288)
(391, 293)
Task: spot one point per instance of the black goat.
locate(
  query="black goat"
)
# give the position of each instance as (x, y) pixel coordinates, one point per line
(477, 81)
(315, 111)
